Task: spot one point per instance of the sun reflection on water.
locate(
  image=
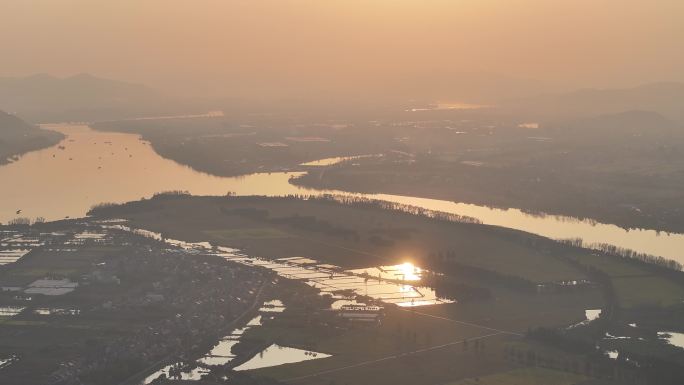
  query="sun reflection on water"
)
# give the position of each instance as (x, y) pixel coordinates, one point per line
(409, 271)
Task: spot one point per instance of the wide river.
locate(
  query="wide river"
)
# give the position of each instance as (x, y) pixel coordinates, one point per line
(90, 167)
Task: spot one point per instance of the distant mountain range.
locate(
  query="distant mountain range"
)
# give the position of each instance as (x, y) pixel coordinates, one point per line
(666, 99)
(18, 137)
(43, 98)
(640, 127)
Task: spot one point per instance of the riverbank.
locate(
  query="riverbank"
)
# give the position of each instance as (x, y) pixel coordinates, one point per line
(18, 138)
(646, 204)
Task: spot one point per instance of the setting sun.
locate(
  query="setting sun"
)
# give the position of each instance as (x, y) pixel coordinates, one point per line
(409, 271)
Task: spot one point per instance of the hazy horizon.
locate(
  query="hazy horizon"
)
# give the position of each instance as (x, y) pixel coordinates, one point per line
(270, 49)
(367, 192)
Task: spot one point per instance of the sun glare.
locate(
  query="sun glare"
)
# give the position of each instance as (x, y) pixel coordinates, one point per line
(409, 271)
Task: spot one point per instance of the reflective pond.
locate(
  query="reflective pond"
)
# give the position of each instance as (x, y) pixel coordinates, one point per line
(336, 160)
(10, 311)
(674, 339)
(275, 355)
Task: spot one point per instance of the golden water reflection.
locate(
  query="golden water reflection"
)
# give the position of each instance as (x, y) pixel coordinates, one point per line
(91, 167)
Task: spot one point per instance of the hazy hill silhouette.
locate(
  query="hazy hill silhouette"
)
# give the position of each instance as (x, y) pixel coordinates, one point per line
(635, 124)
(12, 126)
(18, 137)
(665, 98)
(42, 97)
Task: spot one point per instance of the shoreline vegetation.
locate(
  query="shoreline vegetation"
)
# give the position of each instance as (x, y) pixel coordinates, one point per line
(563, 201)
(373, 204)
(18, 138)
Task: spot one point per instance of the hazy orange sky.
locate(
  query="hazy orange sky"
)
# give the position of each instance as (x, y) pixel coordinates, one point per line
(283, 47)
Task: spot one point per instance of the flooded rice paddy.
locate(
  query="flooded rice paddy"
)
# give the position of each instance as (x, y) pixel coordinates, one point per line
(335, 281)
(399, 284)
(47, 311)
(7, 361)
(10, 311)
(14, 246)
(51, 287)
(592, 314)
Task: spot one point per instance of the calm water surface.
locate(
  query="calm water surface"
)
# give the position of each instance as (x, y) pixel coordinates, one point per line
(91, 167)
(275, 355)
(335, 160)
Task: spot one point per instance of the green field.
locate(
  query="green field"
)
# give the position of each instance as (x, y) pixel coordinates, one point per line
(634, 284)
(525, 376)
(647, 291)
(246, 233)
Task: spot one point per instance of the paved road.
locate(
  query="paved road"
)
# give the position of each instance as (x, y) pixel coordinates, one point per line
(463, 322)
(388, 358)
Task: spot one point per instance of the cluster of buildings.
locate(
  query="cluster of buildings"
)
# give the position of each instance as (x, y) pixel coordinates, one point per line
(361, 313)
(200, 298)
(194, 297)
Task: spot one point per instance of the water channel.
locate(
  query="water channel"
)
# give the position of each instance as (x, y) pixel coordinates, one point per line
(90, 167)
